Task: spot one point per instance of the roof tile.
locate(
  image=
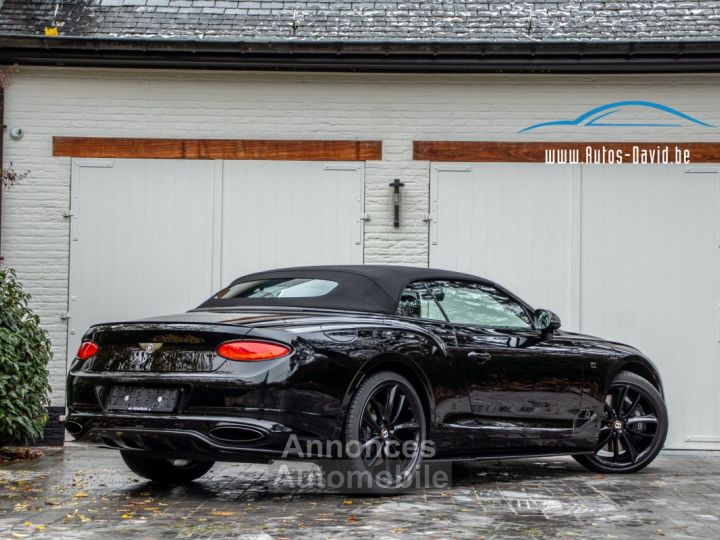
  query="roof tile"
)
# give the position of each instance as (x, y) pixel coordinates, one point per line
(386, 20)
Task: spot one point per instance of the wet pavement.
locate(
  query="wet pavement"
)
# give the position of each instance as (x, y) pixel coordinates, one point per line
(87, 492)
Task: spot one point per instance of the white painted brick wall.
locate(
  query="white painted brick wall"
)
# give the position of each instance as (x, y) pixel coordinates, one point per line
(396, 109)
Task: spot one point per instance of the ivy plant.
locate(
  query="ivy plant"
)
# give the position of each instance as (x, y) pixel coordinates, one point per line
(24, 356)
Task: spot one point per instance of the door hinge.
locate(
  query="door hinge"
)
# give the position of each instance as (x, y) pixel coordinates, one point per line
(68, 214)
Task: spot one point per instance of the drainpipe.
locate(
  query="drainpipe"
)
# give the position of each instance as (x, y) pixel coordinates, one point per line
(2, 139)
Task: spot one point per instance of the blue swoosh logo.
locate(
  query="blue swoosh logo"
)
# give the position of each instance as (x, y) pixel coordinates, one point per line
(607, 110)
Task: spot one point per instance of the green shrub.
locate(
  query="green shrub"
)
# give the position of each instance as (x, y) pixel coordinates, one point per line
(24, 356)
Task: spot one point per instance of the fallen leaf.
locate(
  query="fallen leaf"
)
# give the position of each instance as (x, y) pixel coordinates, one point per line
(126, 516)
(352, 519)
(222, 513)
(80, 495)
(347, 502)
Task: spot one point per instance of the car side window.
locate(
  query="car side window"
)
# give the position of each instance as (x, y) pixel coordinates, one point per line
(468, 302)
(416, 301)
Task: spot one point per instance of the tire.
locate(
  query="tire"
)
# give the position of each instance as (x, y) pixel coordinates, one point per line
(387, 417)
(633, 428)
(165, 471)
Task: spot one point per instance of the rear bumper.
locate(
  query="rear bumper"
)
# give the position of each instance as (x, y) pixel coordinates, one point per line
(244, 413)
(188, 437)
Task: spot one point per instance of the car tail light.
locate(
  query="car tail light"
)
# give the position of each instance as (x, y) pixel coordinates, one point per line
(86, 350)
(251, 351)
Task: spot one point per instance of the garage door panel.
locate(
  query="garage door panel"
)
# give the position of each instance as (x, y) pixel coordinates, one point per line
(278, 214)
(650, 272)
(511, 223)
(141, 240)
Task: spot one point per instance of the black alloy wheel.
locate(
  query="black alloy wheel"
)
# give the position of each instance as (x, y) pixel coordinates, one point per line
(633, 427)
(385, 427)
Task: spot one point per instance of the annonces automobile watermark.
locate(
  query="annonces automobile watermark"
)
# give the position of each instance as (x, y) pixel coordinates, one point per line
(353, 449)
(336, 476)
(333, 466)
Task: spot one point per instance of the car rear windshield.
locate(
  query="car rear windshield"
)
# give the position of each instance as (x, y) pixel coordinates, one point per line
(278, 288)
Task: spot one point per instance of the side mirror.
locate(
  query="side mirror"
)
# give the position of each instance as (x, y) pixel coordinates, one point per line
(546, 321)
(438, 293)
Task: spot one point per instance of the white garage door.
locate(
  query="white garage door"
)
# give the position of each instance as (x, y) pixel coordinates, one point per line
(651, 278)
(151, 237)
(628, 253)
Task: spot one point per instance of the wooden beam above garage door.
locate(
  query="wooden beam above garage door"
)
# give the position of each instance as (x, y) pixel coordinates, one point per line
(534, 152)
(293, 150)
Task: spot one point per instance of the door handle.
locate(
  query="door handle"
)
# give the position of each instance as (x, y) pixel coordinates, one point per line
(480, 357)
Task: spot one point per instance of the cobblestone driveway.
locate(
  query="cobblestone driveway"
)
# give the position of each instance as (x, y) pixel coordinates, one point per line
(83, 493)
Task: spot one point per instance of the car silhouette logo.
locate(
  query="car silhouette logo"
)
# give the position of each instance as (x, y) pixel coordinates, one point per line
(627, 114)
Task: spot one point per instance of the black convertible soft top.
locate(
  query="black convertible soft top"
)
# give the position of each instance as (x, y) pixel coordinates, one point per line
(371, 288)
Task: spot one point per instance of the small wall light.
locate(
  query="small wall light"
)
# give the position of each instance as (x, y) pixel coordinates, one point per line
(396, 185)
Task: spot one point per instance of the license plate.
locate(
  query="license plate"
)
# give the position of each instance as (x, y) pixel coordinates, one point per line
(133, 399)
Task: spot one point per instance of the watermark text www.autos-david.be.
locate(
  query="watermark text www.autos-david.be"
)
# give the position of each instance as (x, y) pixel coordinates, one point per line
(333, 466)
(614, 155)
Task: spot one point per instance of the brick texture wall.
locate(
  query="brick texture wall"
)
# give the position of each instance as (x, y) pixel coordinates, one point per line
(396, 109)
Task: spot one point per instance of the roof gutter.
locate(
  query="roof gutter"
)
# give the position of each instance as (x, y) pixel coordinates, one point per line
(366, 56)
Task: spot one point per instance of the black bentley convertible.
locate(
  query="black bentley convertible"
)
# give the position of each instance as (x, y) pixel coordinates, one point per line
(386, 357)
